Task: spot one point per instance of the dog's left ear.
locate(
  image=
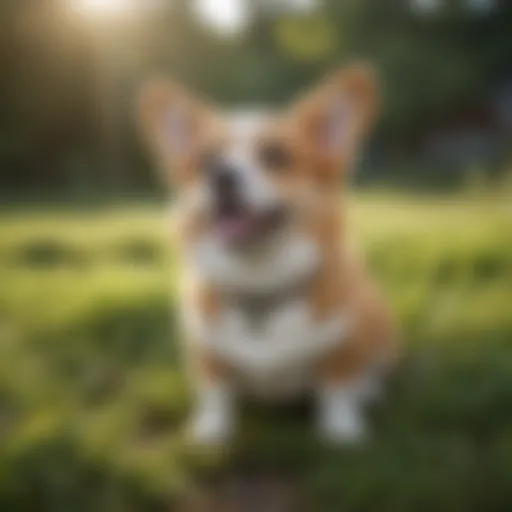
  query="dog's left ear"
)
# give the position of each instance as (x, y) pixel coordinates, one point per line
(172, 122)
(336, 117)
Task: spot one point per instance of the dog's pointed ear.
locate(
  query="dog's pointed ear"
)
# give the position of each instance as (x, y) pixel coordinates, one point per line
(171, 121)
(334, 119)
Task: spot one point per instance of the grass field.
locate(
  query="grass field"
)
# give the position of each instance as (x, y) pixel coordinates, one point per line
(92, 399)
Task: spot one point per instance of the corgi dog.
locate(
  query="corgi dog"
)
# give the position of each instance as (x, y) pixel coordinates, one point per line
(275, 300)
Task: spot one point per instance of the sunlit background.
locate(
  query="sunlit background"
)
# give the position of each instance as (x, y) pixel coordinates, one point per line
(92, 393)
(71, 69)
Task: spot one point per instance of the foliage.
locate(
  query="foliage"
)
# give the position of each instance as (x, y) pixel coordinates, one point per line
(93, 400)
(69, 79)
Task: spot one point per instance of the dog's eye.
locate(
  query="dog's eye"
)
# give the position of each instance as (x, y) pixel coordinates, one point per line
(275, 156)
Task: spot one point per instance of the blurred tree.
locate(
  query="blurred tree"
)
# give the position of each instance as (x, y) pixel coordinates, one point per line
(434, 63)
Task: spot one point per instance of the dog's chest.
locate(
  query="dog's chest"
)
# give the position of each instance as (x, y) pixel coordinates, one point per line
(266, 325)
(264, 329)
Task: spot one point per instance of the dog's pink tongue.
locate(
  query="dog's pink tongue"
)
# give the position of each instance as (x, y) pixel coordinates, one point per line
(235, 229)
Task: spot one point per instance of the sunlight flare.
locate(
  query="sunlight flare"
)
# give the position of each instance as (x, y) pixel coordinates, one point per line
(102, 7)
(224, 15)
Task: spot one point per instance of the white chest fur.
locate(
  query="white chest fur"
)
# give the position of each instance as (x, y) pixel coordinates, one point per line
(276, 356)
(282, 264)
(275, 353)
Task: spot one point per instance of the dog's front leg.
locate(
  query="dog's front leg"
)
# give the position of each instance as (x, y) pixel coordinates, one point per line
(340, 415)
(214, 414)
(340, 412)
(213, 419)
(352, 375)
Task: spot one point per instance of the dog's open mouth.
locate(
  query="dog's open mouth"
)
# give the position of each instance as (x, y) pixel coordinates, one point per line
(240, 226)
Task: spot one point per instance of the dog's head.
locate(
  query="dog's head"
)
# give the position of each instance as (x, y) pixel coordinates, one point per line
(246, 176)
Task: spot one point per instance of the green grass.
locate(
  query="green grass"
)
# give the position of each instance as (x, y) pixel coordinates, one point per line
(92, 398)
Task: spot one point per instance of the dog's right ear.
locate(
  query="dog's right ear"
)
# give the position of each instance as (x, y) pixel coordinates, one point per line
(334, 119)
(171, 121)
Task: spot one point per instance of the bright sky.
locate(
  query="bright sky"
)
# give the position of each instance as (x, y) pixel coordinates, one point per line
(225, 15)
(230, 15)
(101, 6)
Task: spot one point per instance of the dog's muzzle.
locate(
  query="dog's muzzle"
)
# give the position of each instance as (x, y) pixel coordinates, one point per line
(235, 222)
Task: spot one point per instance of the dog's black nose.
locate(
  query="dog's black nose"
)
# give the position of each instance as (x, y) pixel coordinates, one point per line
(224, 179)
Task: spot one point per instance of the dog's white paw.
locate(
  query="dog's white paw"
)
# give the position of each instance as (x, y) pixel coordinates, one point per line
(213, 420)
(209, 428)
(346, 426)
(340, 417)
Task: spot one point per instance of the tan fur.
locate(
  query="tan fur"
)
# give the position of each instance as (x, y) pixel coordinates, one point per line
(373, 340)
(341, 284)
(203, 365)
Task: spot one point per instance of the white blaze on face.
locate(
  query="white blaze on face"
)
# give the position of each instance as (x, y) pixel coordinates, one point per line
(257, 190)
